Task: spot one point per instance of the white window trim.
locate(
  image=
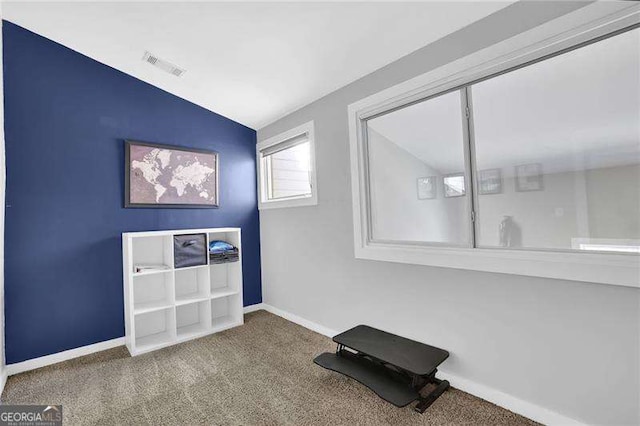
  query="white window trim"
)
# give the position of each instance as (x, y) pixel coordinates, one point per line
(303, 200)
(586, 23)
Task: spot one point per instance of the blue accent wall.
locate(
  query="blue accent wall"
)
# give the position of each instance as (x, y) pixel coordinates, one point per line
(66, 118)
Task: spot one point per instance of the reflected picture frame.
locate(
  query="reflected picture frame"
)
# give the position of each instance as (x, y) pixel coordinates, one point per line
(529, 177)
(490, 181)
(426, 186)
(451, 184)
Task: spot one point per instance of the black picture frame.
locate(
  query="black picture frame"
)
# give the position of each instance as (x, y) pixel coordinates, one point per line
(127, 176)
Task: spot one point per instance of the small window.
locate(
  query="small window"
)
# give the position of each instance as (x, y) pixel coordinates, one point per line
(286, 171)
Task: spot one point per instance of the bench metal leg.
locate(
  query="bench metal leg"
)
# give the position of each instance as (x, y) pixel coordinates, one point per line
(426, 401)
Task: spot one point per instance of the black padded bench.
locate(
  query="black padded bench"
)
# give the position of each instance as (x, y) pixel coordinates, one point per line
(395, 368)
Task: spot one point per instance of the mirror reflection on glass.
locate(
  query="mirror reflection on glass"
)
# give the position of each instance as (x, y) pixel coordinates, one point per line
(565, 135)
(420, 145)
(554, 149)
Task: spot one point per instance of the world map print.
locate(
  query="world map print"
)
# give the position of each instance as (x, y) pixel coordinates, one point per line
(162, 175)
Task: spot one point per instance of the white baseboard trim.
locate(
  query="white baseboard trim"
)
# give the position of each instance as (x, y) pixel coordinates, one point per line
(43, 361)
(504, 400)
(313, 326)
(3, 379)
(32, 364)
(253, 308)
(511, 403)
(518, 406)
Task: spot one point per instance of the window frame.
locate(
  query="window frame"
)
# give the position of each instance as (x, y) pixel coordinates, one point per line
(588, 24)
(466, 174)
(263, 181)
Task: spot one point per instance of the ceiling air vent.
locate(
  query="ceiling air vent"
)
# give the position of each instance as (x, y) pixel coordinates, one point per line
(162, 64)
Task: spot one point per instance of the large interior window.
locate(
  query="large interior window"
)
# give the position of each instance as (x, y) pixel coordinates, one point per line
(553, 150)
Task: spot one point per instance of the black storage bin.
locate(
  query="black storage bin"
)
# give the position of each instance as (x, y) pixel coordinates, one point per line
(189, 250)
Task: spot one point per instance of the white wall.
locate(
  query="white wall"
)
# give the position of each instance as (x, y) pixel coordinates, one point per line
(545, 218)
(601, 203)
(397, 214)
(569, 347)
(606, 186)
(3, 374)
(596, 203)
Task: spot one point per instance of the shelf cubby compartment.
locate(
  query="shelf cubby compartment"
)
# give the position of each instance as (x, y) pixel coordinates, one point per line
(152, 292)
(154, 250)
(193, 319)
(155, 329)
(231, 237)
(226, 312)
(191, 284)
(225, 279)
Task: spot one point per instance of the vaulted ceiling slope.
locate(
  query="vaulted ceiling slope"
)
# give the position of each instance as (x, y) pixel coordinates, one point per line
(251, 62)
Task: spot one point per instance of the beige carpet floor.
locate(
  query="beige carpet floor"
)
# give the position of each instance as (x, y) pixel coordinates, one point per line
(258, 374)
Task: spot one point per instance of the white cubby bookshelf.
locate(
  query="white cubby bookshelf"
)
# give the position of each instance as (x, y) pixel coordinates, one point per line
(168, 306)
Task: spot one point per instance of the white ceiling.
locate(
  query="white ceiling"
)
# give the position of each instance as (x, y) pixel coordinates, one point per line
(576, 111)
(251, 62)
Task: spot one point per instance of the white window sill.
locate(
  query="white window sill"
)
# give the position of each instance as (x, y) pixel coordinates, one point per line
(616, 269)
(309, 200)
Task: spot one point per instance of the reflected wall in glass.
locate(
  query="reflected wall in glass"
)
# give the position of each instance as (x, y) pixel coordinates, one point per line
(424, 140)
(565, 133)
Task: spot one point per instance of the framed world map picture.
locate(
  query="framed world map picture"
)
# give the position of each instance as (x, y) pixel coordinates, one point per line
(170, 176)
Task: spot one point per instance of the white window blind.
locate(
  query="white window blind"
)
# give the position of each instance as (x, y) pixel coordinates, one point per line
(287, 167)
